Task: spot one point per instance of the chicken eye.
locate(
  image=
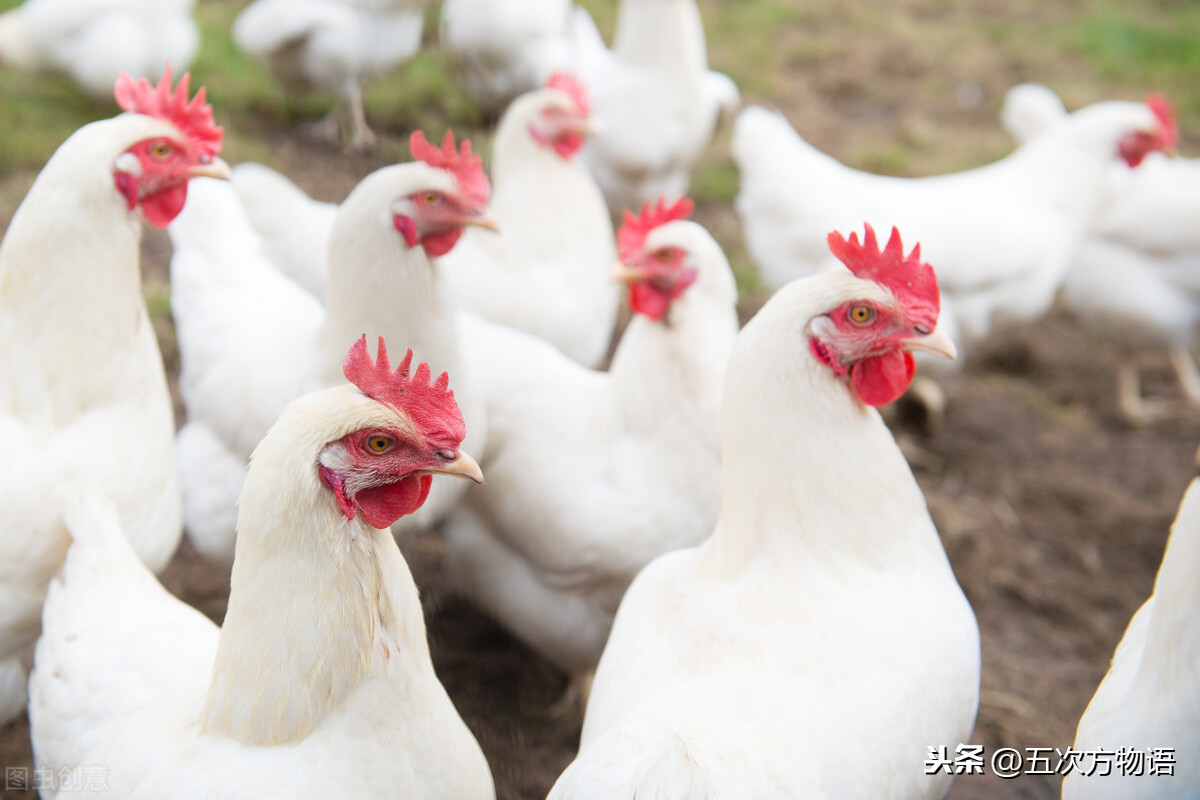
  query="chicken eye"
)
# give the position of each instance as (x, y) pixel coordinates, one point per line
(861, 315)
(379, 444)
(160, 150)
(432, 198)
(664, 255)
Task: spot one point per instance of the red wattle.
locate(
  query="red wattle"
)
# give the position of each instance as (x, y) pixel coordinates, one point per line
(880, 380)
(164, 205)
(438, 244)
(567, 144)
(644, 299)
(383, 505)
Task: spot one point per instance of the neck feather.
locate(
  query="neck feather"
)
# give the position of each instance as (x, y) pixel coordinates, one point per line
(1173, 640)
(811, 476)
(380, 287)
(677, 364)
(70, 286)
(318, 604)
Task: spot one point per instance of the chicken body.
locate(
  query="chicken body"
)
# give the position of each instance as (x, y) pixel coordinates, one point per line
(334, 45)
(1150, 698)
(1002, 235)
(319, 684)
(657, 102)
(817, 642)
(548, 270)
(590, 474)
(84, 400)
(1135, 277)
(243, 359)
(94, 41)
(506, 49)
(293, 227)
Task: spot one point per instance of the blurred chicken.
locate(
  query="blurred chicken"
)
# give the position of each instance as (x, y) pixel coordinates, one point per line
(818, 642)
(1135, 278)
(1002, 235)
(506, 49)
(593, 474)
(95, 41)
(333, 45)
(1150, 698)
(320, 683)
(83, 398)
(657, 102)
(293, 227)
(251, 339)
(549, 270)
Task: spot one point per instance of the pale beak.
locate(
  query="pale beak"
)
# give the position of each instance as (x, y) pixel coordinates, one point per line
(487, 222)
(625, 274)
(936, 343)
(462, 467)
(587, 126)
(213, 169)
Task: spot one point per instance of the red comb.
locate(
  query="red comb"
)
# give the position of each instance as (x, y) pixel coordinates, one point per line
(1162, 109)
(466, 168)
(194, 119)
(566, 82)
(431, 407)
(912, 281)
(634, 229)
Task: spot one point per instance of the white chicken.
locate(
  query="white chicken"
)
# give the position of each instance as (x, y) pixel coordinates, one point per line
(293, 227)
(818, 642)
(1002, 235)
(549, 269)
(320, 683)
(1135, 277)
(657, 102)
(1150, 699)
(251, 339)
(506, 49)
(83, 400)
(96, 41)
(593, 474)
(334, 45)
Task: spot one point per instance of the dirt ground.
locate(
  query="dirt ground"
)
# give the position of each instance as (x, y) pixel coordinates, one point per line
(1053, 512)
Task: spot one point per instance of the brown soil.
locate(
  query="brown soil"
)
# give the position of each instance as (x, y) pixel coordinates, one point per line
(1053, 513)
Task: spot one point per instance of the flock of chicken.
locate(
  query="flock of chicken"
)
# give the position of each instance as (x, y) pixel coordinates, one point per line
(633, 518)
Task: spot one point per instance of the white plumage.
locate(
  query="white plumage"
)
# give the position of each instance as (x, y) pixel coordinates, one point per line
(548, 269)
(94, 41)
(319, 684)
(657, 101)
(818, 642)
(590, 474)
(334, 45)
(1150, 698)
(84, 401)
(505, 49)
(1135, 277)
(251, 339)
(293, 227)
(1002, 235)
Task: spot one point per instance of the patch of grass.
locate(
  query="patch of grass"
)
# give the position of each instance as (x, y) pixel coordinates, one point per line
(1129, 46)
(714, 182)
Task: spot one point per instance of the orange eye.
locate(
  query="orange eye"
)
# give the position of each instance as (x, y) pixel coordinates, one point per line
(432, 198)
(379, 444)
(160, 150)
(664, 255)
(861, 315)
